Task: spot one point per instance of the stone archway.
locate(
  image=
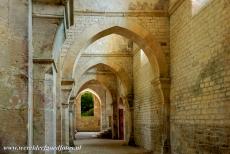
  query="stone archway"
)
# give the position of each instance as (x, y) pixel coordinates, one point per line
(128, 29)
(114, 67)
(105, 96)
(127, 115)
(88, 123)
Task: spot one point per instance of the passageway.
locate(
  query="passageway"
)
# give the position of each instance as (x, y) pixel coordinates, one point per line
(106, 146)
(115, 76)
(123, 82)
(90, 143)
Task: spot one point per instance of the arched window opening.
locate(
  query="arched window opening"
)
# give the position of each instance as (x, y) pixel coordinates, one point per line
(87, 104)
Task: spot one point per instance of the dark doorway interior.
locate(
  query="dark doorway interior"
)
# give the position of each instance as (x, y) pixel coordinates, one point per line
(121, 124)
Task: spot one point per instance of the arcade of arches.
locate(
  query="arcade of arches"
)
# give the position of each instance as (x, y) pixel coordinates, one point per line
(115, 76)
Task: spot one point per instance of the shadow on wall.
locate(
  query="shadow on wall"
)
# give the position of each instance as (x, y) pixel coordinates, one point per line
(209, 72)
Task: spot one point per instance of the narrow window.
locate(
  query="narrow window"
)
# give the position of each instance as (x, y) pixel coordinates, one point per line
(87, 104)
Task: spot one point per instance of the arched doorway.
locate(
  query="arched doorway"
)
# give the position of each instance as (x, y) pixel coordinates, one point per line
(88, 112)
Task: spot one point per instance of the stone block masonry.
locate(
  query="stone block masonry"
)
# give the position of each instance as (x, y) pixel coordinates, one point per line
(200, 64)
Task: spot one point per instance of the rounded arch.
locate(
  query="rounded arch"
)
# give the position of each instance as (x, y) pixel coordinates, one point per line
(125, 28)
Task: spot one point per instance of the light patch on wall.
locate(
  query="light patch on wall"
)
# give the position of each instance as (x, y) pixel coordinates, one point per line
(143, 57)
(198, 5)
(110, 44)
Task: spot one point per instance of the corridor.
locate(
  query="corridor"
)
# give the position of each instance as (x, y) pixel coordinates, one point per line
(106, 146)
(107, 74)
(91, 144)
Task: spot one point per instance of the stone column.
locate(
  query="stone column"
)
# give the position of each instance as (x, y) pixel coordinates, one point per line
(74, 120)
(44, 91)
(66, 88)
(130, 98)
(65, 124)
(71, 122)
(164, 86)
(58, 119)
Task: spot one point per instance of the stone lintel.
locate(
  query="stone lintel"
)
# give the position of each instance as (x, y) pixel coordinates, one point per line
(45, 61)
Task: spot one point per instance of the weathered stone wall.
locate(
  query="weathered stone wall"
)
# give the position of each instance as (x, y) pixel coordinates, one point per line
(13, 73)
(44, 31)
(44, 120)
(88, 123)
(200, 64)
(147, 105)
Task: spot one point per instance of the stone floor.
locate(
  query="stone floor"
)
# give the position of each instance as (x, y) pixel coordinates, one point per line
(91, 145)
(86, 135)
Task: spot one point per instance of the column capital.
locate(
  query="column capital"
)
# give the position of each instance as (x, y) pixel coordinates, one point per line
(47, 61)
(67, 84)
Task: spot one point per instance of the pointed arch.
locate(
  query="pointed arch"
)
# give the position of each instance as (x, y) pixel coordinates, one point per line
(113, 67)
(128, 29)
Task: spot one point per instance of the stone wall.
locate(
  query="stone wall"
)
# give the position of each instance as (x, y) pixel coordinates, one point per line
(200, 73)
(88, 123)
(13, 73)
(147, 105)
(44, 31)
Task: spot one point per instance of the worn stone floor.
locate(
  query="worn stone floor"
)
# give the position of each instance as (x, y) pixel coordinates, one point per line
(91, 145)
(86, 135)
